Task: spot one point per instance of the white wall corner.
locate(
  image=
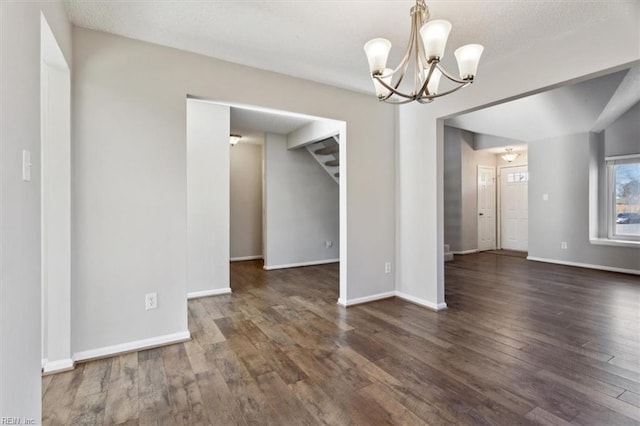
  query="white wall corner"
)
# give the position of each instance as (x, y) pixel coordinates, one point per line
(585, 265)
(57, 366)
(421, 302)
(207, 293)
(300, 264)
(243, 258)
(366, 299)
(137, 345)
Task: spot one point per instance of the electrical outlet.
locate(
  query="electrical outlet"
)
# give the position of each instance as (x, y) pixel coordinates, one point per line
(328, 244)
(387, 268)
(151, 301)
(563, 245)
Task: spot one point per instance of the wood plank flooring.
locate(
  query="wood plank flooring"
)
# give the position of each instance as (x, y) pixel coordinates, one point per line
(521, 343)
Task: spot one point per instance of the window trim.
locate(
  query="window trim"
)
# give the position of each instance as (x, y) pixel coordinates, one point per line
(610, 163)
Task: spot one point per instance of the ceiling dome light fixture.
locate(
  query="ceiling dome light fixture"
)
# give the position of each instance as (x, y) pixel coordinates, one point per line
(426, 48)
(234, 139)
(509, 156)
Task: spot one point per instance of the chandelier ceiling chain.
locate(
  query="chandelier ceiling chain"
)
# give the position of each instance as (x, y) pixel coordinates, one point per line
(425, 50)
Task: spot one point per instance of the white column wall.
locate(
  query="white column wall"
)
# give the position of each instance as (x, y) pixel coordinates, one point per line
(207, 198)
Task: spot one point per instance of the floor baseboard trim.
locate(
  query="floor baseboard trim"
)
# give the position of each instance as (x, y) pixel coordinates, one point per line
(52, 367)
(207, 293)
(366, 299)
(135, 346)
(463, 252)
(297, 265)
(584, 265)
(243, 258)
(421, 302)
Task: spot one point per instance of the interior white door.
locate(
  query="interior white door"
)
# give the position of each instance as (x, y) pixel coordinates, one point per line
(514, 209)
(486, 208)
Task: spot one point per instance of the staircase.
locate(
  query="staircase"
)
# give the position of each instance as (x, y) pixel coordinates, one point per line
(327, 153)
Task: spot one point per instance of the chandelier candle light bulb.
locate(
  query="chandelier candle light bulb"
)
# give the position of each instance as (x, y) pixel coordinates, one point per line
(468, 57)
(434, 37)
(425, 50)
(377, 52)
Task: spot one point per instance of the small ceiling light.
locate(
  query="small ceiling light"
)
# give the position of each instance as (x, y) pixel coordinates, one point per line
(509, 156)
(426, 47)
(234, 139)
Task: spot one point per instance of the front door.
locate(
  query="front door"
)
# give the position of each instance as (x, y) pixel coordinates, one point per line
(514, 210)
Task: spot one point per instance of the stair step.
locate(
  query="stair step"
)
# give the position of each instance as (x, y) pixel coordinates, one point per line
(328, 150)
(332, 163)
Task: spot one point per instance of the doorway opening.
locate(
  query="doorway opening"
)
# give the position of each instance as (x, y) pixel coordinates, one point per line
(55, 196)
(291, 212)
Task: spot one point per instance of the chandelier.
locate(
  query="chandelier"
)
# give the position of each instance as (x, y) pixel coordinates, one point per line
(509, 155)
(426, 48)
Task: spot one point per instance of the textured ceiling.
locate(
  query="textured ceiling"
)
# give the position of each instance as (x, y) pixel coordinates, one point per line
(322, 40)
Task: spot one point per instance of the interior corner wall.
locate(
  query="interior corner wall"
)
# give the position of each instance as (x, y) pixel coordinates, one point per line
(622, 137)
(420, 171)
(246, 201)
(301, 207)
(461, 188)
(20, 279)
(452, 188)
(471, 159)
(207, 197)
(560, 167)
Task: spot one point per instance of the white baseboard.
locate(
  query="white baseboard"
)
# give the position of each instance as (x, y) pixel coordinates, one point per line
(243, 258)
(51, 367)
(585, 265)
(366, 299)
(399, 295)
(297, 265)
(464, 251)
(421, 302)
(206, 293)
(132, 346)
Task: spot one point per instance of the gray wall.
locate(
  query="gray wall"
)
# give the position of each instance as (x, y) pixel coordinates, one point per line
(623, 136)
(207, 199)
(246, 200)
(560, 167)
(301, 207)
(453, 188)
(20, 267)
(461, 188)
(130, 177)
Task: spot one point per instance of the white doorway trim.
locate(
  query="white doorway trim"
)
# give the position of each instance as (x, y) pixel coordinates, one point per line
(342, 132)
(55, 197)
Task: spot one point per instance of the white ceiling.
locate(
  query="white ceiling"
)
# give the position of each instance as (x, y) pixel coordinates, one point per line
(322, 40)
(562, 111)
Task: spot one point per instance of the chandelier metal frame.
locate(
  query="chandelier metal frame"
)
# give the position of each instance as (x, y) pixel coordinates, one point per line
(422, 66)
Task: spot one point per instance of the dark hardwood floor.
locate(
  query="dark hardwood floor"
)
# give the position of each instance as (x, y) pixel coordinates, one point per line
(521, 343)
